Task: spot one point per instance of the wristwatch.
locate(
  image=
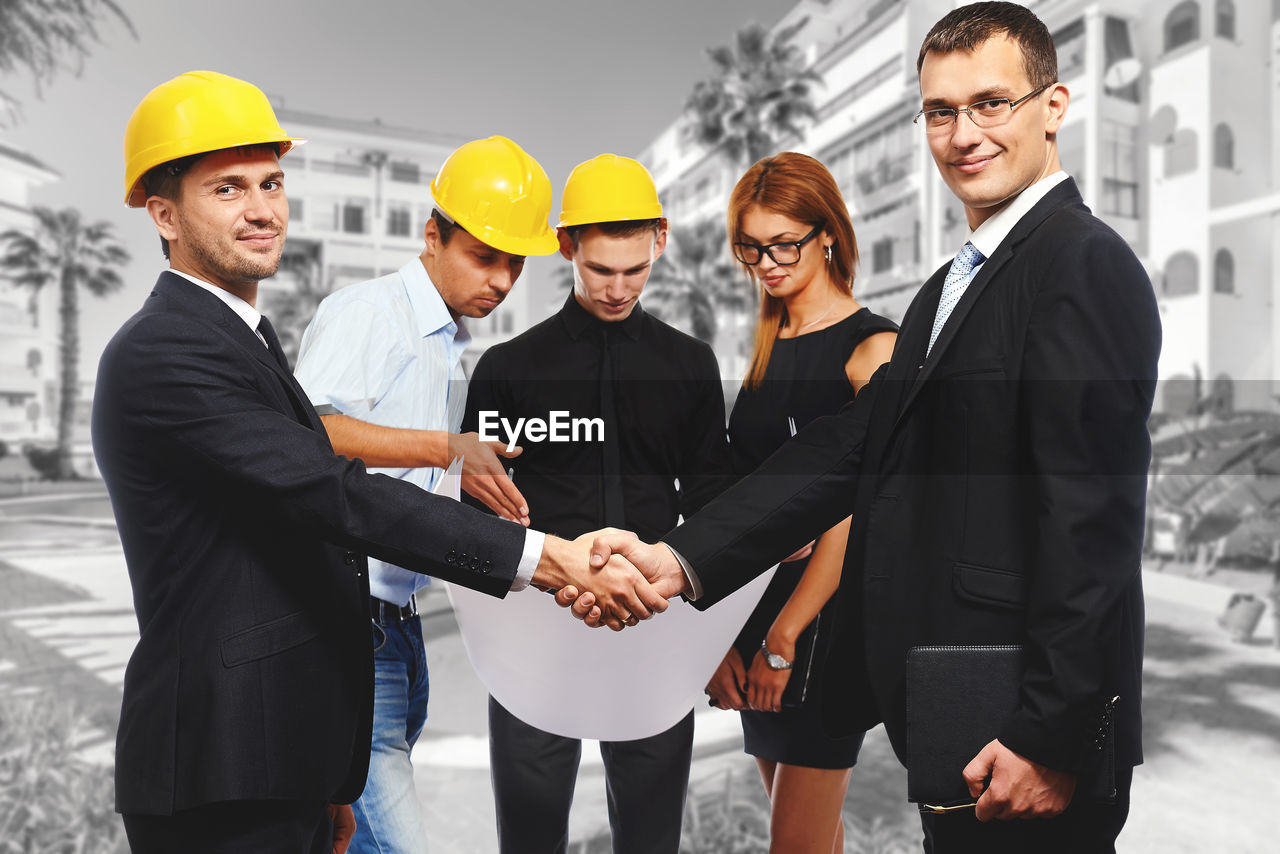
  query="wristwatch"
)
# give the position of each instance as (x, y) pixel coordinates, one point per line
(775, 662)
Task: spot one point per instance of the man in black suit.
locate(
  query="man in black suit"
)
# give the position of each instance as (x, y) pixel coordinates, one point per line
(995, 468)
(247, 701)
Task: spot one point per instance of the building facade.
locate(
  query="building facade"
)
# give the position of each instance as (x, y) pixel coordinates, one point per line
(1172, 135)
(358, 203)
(28, 321)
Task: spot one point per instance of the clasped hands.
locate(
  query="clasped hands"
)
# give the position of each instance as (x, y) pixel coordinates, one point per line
(610, 577)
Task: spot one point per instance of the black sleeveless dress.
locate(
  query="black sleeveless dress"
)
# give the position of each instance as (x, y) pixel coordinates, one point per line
(805, 379)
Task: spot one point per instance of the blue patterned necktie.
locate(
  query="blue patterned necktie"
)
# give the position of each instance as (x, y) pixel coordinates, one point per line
(958, 278)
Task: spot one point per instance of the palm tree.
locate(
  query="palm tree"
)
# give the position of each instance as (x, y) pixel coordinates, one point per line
(76, 255)
(44, 36)
(761, 94)
(306, 284)
(696, 279)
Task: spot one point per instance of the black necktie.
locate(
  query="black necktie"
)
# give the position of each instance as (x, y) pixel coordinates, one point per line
(273, 343)
(614, 514)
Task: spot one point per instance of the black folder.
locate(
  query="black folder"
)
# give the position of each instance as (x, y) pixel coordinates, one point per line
(958, 699)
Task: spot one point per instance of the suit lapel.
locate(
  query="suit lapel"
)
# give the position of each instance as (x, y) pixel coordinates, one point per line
(195, 301)
(1060, 196)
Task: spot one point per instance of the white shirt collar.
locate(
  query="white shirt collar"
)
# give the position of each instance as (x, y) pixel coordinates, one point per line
(987, 237)
(429, 308)
(243, 310)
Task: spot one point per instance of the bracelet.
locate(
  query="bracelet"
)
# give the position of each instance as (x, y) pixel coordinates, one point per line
(772, 660)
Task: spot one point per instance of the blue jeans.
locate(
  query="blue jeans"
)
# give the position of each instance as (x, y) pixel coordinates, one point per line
(389, 819)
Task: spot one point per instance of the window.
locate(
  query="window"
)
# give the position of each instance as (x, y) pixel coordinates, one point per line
(296, 209)
(882, 255)
(1070, 44)
(407, 173)
(1119, 162)
(1224, 272)
(353, 218)
(1225, 20)
(1224, 147)
(399, 222)
(1181, 275)
(1180, 153)
(1182, 25)
(840, 163)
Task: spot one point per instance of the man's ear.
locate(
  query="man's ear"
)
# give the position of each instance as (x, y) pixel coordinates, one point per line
(163, 213)
(1059, 98)
(431, 237)
(660, 242)
(566, 243)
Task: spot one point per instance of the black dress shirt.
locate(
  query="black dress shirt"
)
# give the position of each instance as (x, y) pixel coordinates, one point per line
(670, 422)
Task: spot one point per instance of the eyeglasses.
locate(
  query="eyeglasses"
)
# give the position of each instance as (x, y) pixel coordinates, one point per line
(783, 254)
(990, 113)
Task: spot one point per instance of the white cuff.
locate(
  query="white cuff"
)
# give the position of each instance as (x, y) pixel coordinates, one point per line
(533, 541)
(690, 578)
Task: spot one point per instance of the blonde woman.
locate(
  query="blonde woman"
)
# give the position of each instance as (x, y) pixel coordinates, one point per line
(815, 347)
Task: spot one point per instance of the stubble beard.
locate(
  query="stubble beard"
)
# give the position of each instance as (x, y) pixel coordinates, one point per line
(232, 267)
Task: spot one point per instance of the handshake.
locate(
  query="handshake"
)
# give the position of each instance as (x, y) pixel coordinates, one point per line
(609, 577)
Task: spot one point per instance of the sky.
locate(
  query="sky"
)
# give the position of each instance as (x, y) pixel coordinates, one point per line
(567, 79)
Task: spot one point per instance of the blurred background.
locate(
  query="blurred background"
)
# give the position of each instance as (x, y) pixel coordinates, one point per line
(1173, 135)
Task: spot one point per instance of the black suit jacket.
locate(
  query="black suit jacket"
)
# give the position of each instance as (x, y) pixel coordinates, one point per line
(245, 538)
(997, 489)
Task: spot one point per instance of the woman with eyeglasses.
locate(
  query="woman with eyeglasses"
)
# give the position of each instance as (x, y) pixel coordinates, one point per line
(815, 346)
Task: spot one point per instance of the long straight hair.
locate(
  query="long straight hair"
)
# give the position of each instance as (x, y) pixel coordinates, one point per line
(800, 187)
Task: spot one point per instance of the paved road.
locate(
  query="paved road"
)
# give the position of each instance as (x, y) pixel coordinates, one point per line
(1212, 706)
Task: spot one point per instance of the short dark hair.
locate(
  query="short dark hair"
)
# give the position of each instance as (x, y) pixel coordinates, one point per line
(447, 226)
(970, 26)
(165, 180)
(615, 228)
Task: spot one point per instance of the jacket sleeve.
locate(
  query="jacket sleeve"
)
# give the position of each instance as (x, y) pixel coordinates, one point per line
(208, 412)
(1088, 379)
(704, 470)
(803, 489)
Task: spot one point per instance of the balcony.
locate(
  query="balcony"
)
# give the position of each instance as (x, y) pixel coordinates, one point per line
(16, 381)
(882, 182)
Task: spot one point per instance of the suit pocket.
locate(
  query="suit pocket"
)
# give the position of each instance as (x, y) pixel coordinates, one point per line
(267, 639)
(972, 367)
(989, 586)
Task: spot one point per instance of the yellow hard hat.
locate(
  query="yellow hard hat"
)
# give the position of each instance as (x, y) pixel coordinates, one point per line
(499, 194)
(194, 113)
(608, 188)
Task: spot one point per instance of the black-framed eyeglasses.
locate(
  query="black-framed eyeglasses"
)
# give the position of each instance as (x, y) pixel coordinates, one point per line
(783, 254)
(990, 113)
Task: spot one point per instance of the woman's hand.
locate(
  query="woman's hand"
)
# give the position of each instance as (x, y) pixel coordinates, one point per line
(728, 686)
(765, 685)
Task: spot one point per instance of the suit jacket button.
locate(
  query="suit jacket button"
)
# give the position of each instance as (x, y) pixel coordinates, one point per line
(452, 557)
(475, 563)
(349, 558)
(488, 565)
(462, 560)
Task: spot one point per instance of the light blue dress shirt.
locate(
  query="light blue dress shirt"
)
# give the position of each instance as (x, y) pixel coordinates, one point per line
(387, 351)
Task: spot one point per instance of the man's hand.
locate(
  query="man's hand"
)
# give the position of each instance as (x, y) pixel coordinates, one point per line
(656, 561)
(619, 595)
(484, 476)
(344, 826)
(728, 686)
(1018, 787)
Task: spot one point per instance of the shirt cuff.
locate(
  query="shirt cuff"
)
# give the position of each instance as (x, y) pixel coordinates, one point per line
(690, 577)
(533, 541)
